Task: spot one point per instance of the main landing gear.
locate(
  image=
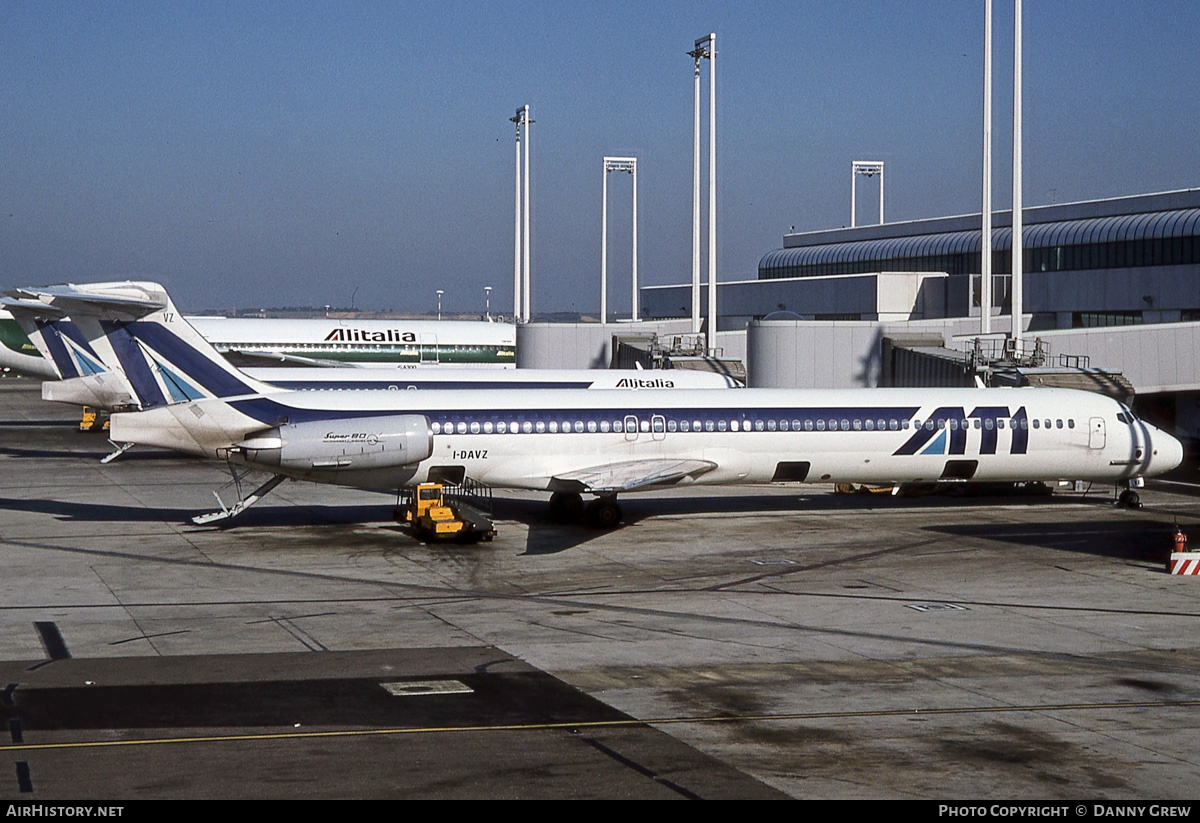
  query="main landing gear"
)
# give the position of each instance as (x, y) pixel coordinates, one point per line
(601, 513)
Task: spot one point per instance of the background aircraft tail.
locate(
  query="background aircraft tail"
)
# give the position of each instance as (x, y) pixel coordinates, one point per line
(134, 328)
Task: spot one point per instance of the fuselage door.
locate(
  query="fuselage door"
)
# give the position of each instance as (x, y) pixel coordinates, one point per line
(429, 348)
(631, 427)
(658, 427)
(1096, 433)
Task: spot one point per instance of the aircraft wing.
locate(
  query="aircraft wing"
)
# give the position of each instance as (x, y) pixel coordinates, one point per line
(630, 475)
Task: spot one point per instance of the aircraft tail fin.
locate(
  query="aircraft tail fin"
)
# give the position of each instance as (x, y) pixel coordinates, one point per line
(56, 337)
(136, 330)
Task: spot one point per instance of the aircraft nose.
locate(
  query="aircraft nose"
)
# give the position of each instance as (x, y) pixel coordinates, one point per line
(1166, 453)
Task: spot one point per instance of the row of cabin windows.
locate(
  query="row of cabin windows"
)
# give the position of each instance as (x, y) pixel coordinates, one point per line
(658, 424)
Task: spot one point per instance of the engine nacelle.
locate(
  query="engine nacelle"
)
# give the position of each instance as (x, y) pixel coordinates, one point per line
(360, 443)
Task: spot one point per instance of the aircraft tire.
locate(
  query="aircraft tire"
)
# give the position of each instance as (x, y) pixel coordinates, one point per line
(1131, 499)
(603, 514)
(566, 507)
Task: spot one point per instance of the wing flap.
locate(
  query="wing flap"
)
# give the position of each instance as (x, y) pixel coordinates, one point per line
(630, 475)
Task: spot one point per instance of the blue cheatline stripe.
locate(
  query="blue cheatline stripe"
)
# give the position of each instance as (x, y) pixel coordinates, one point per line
(216, 379)
(445, 385)
(137, 370)
(271, 411)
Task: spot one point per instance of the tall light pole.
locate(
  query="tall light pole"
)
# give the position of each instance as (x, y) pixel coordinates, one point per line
(864, 168)
(1018, 244)
(440, 292)
(705, 49)
(487, 302)
(985, 251)
(521, 232)
(628, 165)
(517, 228)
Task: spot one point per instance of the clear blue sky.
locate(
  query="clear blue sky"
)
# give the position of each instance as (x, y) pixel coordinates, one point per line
(252, 154)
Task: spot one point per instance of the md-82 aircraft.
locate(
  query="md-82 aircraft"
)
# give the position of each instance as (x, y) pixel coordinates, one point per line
(603, 443)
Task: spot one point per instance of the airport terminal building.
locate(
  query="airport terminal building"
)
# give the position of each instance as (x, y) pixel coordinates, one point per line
(1111, 288)
(1114, 262)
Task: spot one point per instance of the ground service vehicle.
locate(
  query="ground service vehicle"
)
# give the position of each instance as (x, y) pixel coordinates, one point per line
(433, 515)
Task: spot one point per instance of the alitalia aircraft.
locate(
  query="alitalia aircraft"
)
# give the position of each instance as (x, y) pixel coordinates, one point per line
(603, 443)
(403, 344)
(81, 358)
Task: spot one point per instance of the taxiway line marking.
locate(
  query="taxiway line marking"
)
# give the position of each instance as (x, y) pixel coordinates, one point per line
(599, 724)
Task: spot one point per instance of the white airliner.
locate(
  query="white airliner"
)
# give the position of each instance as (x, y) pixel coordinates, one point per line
(403, 344)
(571, 442)
(363, 343)
(18, 353)
(81, 357)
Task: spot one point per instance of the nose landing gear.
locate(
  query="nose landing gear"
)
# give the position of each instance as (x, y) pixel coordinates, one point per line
(1129, 497)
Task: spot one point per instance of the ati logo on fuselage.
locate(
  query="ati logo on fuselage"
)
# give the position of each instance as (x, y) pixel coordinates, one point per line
(635, 383)
(364, 336)
(946, 437)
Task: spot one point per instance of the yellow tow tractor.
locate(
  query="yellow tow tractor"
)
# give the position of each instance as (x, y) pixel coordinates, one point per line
(435, 514)
(93, 421)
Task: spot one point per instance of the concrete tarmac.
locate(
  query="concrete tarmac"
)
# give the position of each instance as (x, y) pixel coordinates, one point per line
(776, 641)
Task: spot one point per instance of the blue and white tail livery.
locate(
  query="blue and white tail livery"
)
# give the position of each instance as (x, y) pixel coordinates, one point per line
(603, 442)
(90, 374)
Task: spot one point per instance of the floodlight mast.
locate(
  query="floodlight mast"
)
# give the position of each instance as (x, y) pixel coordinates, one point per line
(521, 232)
(985, 259)
(1018, 244)
(629, 165)
(525, 261)
(705, 49)
(865, 168)
(517, 227)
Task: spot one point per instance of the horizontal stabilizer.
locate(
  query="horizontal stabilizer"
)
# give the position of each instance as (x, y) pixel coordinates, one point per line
(630, 475)
(115, 300)
(23, 305)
